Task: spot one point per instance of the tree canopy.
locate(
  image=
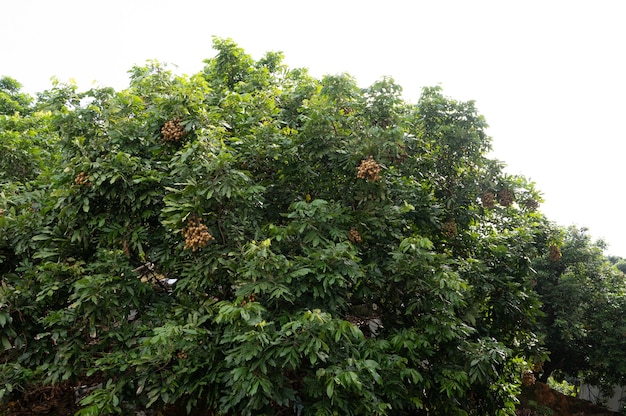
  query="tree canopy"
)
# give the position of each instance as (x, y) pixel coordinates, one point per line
(253, 240)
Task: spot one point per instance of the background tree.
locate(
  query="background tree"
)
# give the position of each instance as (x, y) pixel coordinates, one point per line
(25, 138)
(582, 293)
(619, 262)
(12, 100)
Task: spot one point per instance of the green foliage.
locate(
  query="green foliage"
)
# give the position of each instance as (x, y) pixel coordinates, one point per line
(11, 99)
(563, 387)
(26, 147)
(582, 294)
(252, 240)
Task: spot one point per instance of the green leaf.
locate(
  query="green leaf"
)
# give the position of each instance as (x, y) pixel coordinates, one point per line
(330, 389)
(6, 343)
(44, 254)
(300, 272)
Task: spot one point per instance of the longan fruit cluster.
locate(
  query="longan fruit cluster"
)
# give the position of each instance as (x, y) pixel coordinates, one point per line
(82, 179)
(555, 253)
(196, 234)
(449, 229)
(488, 200)
(354, 236)
(1, 212)
(182, 355)
(173, 130)
(528, 378)
(531, 204)
(369, 169)
(248, 299)
(505, 197)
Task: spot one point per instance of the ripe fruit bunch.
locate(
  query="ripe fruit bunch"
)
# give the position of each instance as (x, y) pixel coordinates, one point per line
(505, 197)
(196, 234)
(531, 204)
(369, 169)
(82, 179)
(449, 229)
(173, 130)
(354, 236)
(488, 200)
(555, 253)
(528, 378)
(248, 299)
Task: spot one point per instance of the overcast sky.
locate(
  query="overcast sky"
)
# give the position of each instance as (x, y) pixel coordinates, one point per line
(549, 76)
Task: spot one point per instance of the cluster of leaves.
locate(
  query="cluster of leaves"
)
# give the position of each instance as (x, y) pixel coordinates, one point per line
(583, 295)
(432, 310)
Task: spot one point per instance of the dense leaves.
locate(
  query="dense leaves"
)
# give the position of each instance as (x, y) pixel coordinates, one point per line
(252, 240)
(584, 301)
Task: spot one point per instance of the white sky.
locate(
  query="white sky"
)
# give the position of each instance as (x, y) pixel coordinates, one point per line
(548, 75)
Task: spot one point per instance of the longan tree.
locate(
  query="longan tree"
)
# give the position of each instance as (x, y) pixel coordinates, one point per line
(253, 240)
